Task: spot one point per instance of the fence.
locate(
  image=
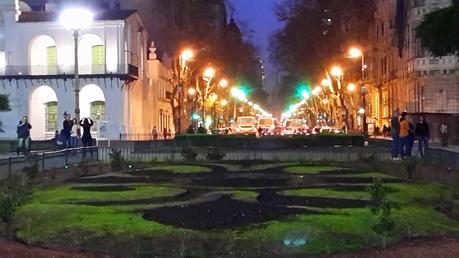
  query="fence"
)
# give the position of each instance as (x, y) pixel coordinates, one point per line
(48, 160)
(314, 154)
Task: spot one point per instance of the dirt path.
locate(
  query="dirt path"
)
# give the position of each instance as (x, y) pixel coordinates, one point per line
(12, 249)
(444, 248)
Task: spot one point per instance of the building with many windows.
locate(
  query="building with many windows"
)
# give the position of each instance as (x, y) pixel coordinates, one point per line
(122, 85)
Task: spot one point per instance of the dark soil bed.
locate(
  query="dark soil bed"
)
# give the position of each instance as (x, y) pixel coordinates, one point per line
(244, 182)
(104, 188)
(273, 198)
(219, 214)
(359, 180)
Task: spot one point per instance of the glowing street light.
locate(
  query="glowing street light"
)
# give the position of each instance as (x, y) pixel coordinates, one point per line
(224, 102)
(326, 83)
(305, 94)
(317, 90)
(351, 87)
(213, 97)
(361, 111)
(355, 52)
(336, 71)
(238, 94)
(75, 20)
(209, 73)
(191, 91)
(223, 83)
(187, 54)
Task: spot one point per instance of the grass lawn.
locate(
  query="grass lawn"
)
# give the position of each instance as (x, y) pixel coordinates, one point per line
(49, 217)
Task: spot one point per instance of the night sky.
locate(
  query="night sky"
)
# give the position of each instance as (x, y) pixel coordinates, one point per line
(259, 17)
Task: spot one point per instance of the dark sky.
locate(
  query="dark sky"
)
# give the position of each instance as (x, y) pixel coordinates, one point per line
(259, 16)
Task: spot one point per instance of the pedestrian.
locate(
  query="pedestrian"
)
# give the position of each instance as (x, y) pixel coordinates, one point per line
(395, 133)
(411, 136)
(422, 135)
(385, 130)
(23, 131)
(202, 129)
(190, 130)
(67, 130)
(154, 132)
(169, 134)
(444, 134)
(74, 134)
(165, 133)
(86, 124)
(404, 135)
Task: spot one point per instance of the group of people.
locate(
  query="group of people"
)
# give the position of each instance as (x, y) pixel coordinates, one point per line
(167, 134)
(404, 132)
(70, 134)
(68, 137)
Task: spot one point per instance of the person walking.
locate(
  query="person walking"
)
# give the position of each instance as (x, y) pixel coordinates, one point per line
(86, 124)
(444, 134)
(67, 130)
(422, 133)
(154, 133)
(395, 133)
(404, 135)
(23, 131)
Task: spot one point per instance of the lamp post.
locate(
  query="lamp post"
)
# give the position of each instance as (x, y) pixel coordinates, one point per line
(75, 20)
(186, 55)
(357, 53)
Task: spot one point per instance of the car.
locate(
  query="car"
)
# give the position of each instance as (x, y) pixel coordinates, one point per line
(267, 125)
(245, 125)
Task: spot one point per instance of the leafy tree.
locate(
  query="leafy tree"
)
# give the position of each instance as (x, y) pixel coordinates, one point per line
(438, 31)
(315, 33)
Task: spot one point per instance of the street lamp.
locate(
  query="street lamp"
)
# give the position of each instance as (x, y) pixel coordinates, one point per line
(75, 20)
(351, 87)
(209, 74)
(223, 83)
(336, 71)
(357, 53)
(186, 55)
(191, 91)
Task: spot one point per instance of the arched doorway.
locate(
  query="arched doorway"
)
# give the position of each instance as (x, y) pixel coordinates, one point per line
(43, 113)
(92, 104)
(91, 54)
(43, 56)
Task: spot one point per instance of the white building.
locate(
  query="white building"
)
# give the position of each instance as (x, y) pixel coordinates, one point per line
(434, 86)
(121, 89)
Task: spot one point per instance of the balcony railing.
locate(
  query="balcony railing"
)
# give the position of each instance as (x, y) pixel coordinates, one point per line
(56, 70)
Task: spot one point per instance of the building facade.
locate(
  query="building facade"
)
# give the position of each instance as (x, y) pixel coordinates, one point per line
(119, 80)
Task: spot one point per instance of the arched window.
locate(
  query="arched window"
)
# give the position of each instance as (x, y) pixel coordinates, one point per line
(43, 56)
(43, 112)
(91, 54)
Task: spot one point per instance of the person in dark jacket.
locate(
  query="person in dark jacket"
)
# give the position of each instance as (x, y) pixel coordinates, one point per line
(23, 132)
(86, 124)
(422, 135)
(67, 130)
(395, 133)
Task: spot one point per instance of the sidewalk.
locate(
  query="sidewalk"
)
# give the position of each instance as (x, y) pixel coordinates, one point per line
(432, 145)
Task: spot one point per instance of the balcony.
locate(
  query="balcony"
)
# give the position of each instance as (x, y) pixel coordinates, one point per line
(128, 71)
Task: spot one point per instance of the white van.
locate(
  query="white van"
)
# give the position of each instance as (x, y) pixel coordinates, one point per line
(267, 124)
(246, 125)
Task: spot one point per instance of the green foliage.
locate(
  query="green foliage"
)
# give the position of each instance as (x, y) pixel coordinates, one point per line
(117, 162)
(438, 31)
(12, 195)
(188, 154)
(4, 103)
(215, 154)
(32, 170)
(381, 207)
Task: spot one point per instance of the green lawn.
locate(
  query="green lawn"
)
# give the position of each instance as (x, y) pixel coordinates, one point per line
(50, 217)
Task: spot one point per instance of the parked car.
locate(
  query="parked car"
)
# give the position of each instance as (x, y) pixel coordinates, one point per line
(245, 125)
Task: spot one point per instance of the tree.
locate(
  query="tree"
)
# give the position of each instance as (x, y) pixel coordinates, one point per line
(316, 33)
(438, 31)
(4, 106)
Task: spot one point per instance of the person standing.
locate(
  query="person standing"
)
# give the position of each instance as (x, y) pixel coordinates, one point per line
(86, 124)
(154, 133)
(395, 133)
(423, 135)
(165, 133)
(23, 132)
(67, 130)
(411, 135)
(74, 134)
(404, 135)
(444, 134)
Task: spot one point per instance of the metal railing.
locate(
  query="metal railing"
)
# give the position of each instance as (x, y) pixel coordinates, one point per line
(43, 70)
(47, 160)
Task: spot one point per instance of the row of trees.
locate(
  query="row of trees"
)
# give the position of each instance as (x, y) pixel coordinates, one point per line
(202, 26)
(315, 33)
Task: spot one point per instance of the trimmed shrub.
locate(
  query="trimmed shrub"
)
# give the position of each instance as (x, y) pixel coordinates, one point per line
(215, 154)
(117, 161)
(31, 171)
(188, 154)
(12, 194)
